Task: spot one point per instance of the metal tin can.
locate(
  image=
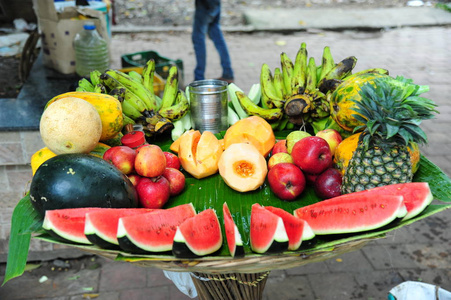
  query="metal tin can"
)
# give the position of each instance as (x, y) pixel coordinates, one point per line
(208, 102)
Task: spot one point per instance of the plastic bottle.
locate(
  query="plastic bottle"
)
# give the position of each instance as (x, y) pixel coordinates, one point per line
(91, 51)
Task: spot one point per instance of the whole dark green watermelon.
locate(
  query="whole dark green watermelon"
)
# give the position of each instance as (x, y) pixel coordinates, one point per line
(80, 180)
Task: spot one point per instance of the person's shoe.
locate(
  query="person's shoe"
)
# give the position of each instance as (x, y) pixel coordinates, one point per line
(228, 80)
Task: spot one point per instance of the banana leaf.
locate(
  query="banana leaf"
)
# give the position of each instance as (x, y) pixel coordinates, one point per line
(212, 192)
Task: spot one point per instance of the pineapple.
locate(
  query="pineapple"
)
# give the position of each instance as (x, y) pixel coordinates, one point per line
(391, 115)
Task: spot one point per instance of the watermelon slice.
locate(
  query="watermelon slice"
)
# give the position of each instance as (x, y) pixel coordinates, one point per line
(198, 236)
(101, 225)
(153, 231)
(353, 212)
(68, 224)
(234, 241)
(267, 233)
(417, 195)
(297, 229)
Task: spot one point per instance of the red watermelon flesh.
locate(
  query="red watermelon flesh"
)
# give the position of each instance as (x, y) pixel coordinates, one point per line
(201, 235)
(68, 223)
(417, 195)
(355, 212)
(267, 233)
(297, 229)
(101, 225)
(233, 236)
(154, 231)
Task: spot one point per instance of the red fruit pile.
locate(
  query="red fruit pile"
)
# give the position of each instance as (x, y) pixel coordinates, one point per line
(310, 162)
(155, 174)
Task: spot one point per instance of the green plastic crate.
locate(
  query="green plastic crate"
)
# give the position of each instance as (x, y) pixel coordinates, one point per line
(162, 64)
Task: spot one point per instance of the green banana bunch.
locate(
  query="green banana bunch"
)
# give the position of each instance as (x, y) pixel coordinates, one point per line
(178, 110)
(136, 87)
(269, 114)
(171, 88)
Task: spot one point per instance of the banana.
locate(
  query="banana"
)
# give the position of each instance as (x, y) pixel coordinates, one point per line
(270, 115)
(178, 110)
(135, 101)
(287, 72)
(94, 76)
(170, 88)
(127, 119)
(99, 88)
(136, 76)
(300, 70)
(269, 95)
(135, 87)
(368, 71)
(129, 110)
(334, 77)
(148, 74)
(327, 63)
(84, 85)
(310, 85)
(279, 87)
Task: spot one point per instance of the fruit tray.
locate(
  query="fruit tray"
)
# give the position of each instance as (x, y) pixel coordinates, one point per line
(212, 192)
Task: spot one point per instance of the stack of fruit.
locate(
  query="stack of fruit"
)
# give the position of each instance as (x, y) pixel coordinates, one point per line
(383, 112)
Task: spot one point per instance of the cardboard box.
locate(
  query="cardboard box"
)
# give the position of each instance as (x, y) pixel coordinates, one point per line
(58, 30)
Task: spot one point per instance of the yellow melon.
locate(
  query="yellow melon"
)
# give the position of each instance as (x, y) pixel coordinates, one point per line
(243, 167)
(71, 125)
(252, 130)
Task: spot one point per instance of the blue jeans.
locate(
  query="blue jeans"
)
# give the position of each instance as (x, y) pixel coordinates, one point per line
(207, 22)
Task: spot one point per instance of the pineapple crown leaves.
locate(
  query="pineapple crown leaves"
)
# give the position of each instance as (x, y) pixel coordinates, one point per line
(391, 112)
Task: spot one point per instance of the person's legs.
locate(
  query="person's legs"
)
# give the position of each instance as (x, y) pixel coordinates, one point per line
(200, 27)
(215, 34)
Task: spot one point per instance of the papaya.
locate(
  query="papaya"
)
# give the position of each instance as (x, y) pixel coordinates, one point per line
(252, 130)
(341, 100)
(108, 107)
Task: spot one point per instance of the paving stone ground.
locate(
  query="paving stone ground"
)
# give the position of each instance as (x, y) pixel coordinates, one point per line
(420, 251)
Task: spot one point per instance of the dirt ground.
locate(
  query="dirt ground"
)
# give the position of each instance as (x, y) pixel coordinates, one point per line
(9, 77)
